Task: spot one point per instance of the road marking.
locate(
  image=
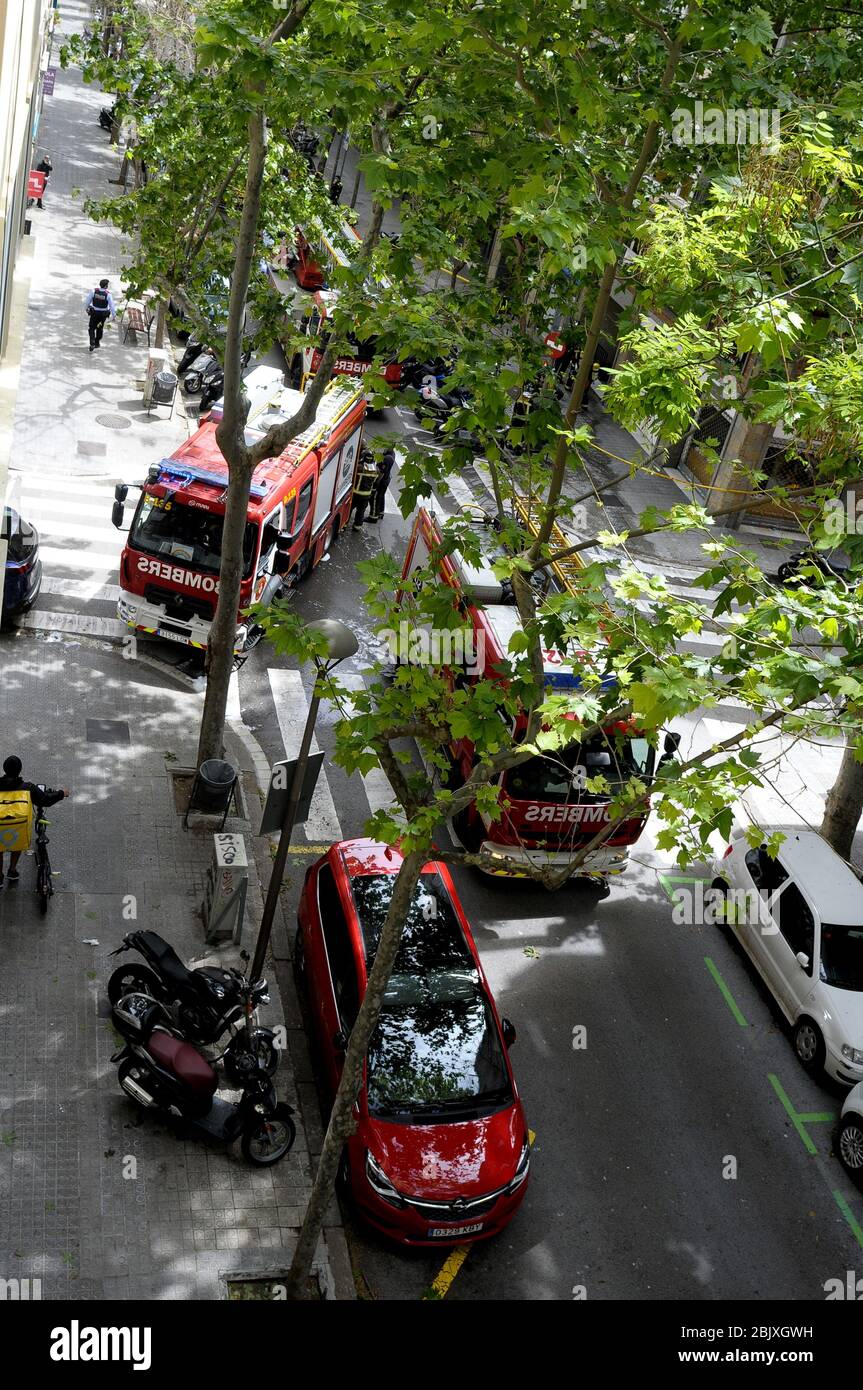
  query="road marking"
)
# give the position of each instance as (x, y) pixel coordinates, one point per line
(846, 1211)
(440, 1287)
(799, 1121)
(309, 849)
(292, 707)
(378, 791)
(95, 562)
(79, 624)
(89, 590)
(725, 992)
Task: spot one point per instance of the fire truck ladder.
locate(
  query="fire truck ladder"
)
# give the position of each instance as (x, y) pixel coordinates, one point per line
(566, 571)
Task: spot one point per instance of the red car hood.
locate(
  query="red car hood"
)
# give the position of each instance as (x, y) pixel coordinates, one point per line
(441, 1162)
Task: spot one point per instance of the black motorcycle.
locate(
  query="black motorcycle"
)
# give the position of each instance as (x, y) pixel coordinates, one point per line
(160, 1070)
(789, 570)
(436, 406)
(204, 1003)
(107, 116)
(212, 389)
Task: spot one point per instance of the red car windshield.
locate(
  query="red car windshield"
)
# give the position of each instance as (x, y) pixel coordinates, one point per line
(436, 1054)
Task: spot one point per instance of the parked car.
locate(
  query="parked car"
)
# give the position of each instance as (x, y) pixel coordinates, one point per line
(829, 566)
(808, 945)
(849, 1137)
(22, 579)
(441, 1152)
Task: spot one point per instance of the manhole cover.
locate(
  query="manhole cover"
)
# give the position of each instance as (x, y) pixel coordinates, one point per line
(107, 731)
(113, 422)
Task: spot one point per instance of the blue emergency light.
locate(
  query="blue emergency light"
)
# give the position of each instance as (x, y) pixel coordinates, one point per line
(186, 474)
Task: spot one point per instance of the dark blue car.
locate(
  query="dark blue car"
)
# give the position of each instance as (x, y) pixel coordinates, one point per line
(23, 576)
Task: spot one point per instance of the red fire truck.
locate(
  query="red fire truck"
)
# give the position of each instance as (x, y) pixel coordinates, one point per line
(549, 813)
(169, 568)
(310, 301)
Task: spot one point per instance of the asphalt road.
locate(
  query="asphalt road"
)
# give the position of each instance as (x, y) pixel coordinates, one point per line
(665, 1163)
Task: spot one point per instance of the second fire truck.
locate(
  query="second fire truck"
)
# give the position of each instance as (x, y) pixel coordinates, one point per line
(548, 812)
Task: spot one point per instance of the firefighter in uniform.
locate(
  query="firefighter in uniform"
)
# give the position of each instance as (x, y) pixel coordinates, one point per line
(367, 475)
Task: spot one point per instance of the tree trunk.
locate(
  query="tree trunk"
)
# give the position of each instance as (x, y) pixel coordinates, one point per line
(844, 805)
(496, 252)
(161, 314)
(341, 1124)
(229, 435)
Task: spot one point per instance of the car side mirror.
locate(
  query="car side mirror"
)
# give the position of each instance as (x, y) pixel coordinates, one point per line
(117, 514)
(507, 1028)
(281, 562)
(803, 959)
(671, 744)
(283, 543)
(340, 1041)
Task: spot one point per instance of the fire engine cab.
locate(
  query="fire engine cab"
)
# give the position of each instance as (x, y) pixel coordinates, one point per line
(548, 812)
(299, 503)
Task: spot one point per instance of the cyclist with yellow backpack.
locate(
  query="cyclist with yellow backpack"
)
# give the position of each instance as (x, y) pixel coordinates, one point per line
(17, 799)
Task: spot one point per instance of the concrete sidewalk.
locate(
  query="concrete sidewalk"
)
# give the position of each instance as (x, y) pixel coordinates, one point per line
(78, 413)
(98, 1199)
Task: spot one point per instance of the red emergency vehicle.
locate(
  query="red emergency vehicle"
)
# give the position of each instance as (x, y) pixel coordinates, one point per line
(301, 273)
(549, 813)
(169, 568)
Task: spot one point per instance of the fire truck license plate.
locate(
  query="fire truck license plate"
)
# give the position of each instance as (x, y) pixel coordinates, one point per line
(173, 636)
(455, 1230)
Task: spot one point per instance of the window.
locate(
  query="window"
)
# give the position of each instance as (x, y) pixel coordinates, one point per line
(842, 956)
(766, 873)
(188, 535)
(791, 913)
(339, 952)
(559, 777)
(304, 501)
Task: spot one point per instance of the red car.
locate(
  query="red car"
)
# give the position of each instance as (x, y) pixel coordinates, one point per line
(441, 1151)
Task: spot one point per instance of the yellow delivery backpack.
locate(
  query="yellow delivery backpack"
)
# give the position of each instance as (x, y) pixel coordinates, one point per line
(16, 821)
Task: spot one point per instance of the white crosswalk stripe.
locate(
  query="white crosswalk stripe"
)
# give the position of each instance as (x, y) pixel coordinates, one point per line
(378, 791)
(291, 705)
(79, 550)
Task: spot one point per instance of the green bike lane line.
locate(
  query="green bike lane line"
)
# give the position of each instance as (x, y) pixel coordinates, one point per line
(725, 992)
(800, 1119)
(856, 1229)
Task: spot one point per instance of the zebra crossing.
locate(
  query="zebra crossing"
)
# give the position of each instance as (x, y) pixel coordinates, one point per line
(79, 550)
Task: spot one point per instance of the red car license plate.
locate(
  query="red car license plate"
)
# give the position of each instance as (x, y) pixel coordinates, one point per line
(435, 1231)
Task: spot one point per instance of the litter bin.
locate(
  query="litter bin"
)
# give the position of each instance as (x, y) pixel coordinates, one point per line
(213, 789)
(163, 390)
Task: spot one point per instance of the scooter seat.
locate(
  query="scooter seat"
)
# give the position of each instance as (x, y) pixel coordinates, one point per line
(184, 1061)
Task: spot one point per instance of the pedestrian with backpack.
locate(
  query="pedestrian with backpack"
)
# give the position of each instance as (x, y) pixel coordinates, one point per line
(99, 306)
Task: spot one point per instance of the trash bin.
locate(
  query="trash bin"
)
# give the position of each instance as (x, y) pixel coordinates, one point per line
(164, 386)
(163, 390)
(214, 786)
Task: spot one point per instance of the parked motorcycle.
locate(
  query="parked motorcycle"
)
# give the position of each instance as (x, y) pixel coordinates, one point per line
(201, 369)
(439, 405)
(107, 116)
(194, 348)
(212, 389)
(416, 374)
(789, 570)
(203, 1004)
(160, 1070)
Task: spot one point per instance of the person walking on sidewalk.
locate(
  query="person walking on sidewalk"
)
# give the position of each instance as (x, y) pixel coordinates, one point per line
(100, 304)
(12, 781)
(382, 482)
(44, 167)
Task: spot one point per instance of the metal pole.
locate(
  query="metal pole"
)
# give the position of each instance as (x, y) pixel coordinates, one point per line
(278, 871)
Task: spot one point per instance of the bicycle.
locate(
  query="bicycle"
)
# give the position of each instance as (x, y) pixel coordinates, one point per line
(44, 877)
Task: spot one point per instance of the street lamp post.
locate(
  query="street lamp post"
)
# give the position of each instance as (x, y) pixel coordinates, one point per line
(341, 643)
